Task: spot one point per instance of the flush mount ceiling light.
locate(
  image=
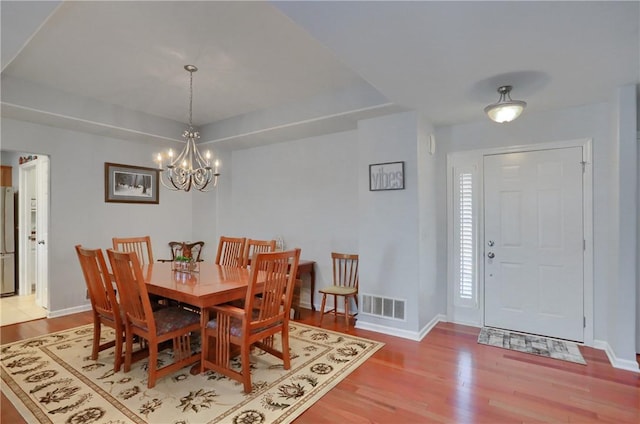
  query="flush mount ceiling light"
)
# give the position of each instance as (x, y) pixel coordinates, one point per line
(190, 169)
(505, 110)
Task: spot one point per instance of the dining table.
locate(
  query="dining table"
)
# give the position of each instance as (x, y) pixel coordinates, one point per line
(208, 285)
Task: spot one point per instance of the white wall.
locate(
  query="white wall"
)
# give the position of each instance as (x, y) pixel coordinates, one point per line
(397, 229)
(303, 190)
(78, 213)
(622, 296)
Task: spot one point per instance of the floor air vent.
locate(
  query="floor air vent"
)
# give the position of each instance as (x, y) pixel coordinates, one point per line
(385, 307)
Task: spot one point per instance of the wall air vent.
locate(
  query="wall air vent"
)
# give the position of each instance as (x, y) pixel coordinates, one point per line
(384, 307)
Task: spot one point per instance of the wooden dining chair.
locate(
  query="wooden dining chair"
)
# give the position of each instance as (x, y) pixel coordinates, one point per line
(253, 246)
(170, 323)
(140, 245)
(104, 302)
(345, 284)
(230, 251)
(254, 325)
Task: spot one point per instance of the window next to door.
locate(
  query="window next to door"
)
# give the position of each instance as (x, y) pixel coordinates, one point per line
(464, 219)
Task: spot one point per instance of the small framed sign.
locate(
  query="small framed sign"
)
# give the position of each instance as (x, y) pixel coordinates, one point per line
(386, 176)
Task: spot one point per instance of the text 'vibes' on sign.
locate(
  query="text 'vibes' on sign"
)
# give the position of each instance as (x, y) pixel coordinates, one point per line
(386, 176)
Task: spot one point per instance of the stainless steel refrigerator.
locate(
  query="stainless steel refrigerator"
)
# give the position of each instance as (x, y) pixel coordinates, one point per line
(7, 242)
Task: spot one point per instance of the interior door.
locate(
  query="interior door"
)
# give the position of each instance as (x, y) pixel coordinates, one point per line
(42, 231)
(534, 239)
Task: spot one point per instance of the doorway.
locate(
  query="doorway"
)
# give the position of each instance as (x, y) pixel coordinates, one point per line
(32, 299)
(33, 223)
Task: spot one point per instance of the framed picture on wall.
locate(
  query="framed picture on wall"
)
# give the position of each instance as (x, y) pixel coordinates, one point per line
(130, 184)
(386, 176)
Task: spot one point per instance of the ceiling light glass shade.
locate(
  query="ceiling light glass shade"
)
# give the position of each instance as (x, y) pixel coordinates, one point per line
(190, 169)
(506, 109)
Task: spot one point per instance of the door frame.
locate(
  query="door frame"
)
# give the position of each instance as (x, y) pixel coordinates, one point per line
(474, 314)
(41, 271)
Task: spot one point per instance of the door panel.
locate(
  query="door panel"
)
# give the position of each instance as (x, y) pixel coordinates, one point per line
(533, 216)
(42, 232)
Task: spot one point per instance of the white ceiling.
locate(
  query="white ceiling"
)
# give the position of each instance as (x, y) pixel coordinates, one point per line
(315, 62)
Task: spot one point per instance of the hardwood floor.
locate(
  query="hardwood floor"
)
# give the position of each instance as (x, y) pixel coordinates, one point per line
(445, 378)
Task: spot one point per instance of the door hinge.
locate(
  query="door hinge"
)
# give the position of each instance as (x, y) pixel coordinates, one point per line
(584, 245)
(584, 322)
(583, 163)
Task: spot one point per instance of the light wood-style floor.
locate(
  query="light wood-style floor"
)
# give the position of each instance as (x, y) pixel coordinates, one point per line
(445, 378)
(14, 309)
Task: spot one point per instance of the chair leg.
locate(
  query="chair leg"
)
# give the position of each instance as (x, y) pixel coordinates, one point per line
(286, 357)
(346, 310)
(204, 349)
(324, 301)
(153, 365)
(246, 367)
(118, 359)
(96, 337)
(335, 307)
(128, 350)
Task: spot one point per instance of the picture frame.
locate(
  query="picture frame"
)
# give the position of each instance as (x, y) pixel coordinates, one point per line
(130, 184)
(386, 176)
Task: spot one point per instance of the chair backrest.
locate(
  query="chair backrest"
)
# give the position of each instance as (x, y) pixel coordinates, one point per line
(230, 251)
(191, 250)
(345, 269)
(252, 246)
(132, 288)
(96, 275)
(277, 271)
(140, 245)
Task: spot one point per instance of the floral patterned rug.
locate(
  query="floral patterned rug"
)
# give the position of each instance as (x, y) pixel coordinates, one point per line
(51, 379)
(528, 343)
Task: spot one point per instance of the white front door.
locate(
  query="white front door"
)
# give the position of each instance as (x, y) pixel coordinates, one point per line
(533, 238)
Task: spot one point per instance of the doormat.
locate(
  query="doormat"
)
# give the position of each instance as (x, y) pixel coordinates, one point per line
(535, 345)
(51, 379)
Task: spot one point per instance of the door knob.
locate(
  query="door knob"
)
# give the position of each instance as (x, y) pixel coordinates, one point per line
(491, 243)
(491, 255)
(40, 241)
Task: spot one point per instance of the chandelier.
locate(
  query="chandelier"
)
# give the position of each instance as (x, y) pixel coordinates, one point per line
(189, 169)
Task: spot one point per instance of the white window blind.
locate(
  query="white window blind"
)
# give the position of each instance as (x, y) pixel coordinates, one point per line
(466, 284)
(465, 224)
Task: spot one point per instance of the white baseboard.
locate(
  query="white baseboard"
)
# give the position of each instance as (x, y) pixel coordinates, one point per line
(68, 311)
(623, 364)
(392, 331)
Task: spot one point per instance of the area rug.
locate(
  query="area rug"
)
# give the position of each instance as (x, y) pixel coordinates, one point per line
(51, 379)
(527, 343)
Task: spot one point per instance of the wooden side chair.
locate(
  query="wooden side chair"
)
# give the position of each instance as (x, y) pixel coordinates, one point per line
(170, 323)
(274, 276)
(345, 283)
(230, 251)
(140, 245)
(252, 246)
(179, 248)
(104, 302)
